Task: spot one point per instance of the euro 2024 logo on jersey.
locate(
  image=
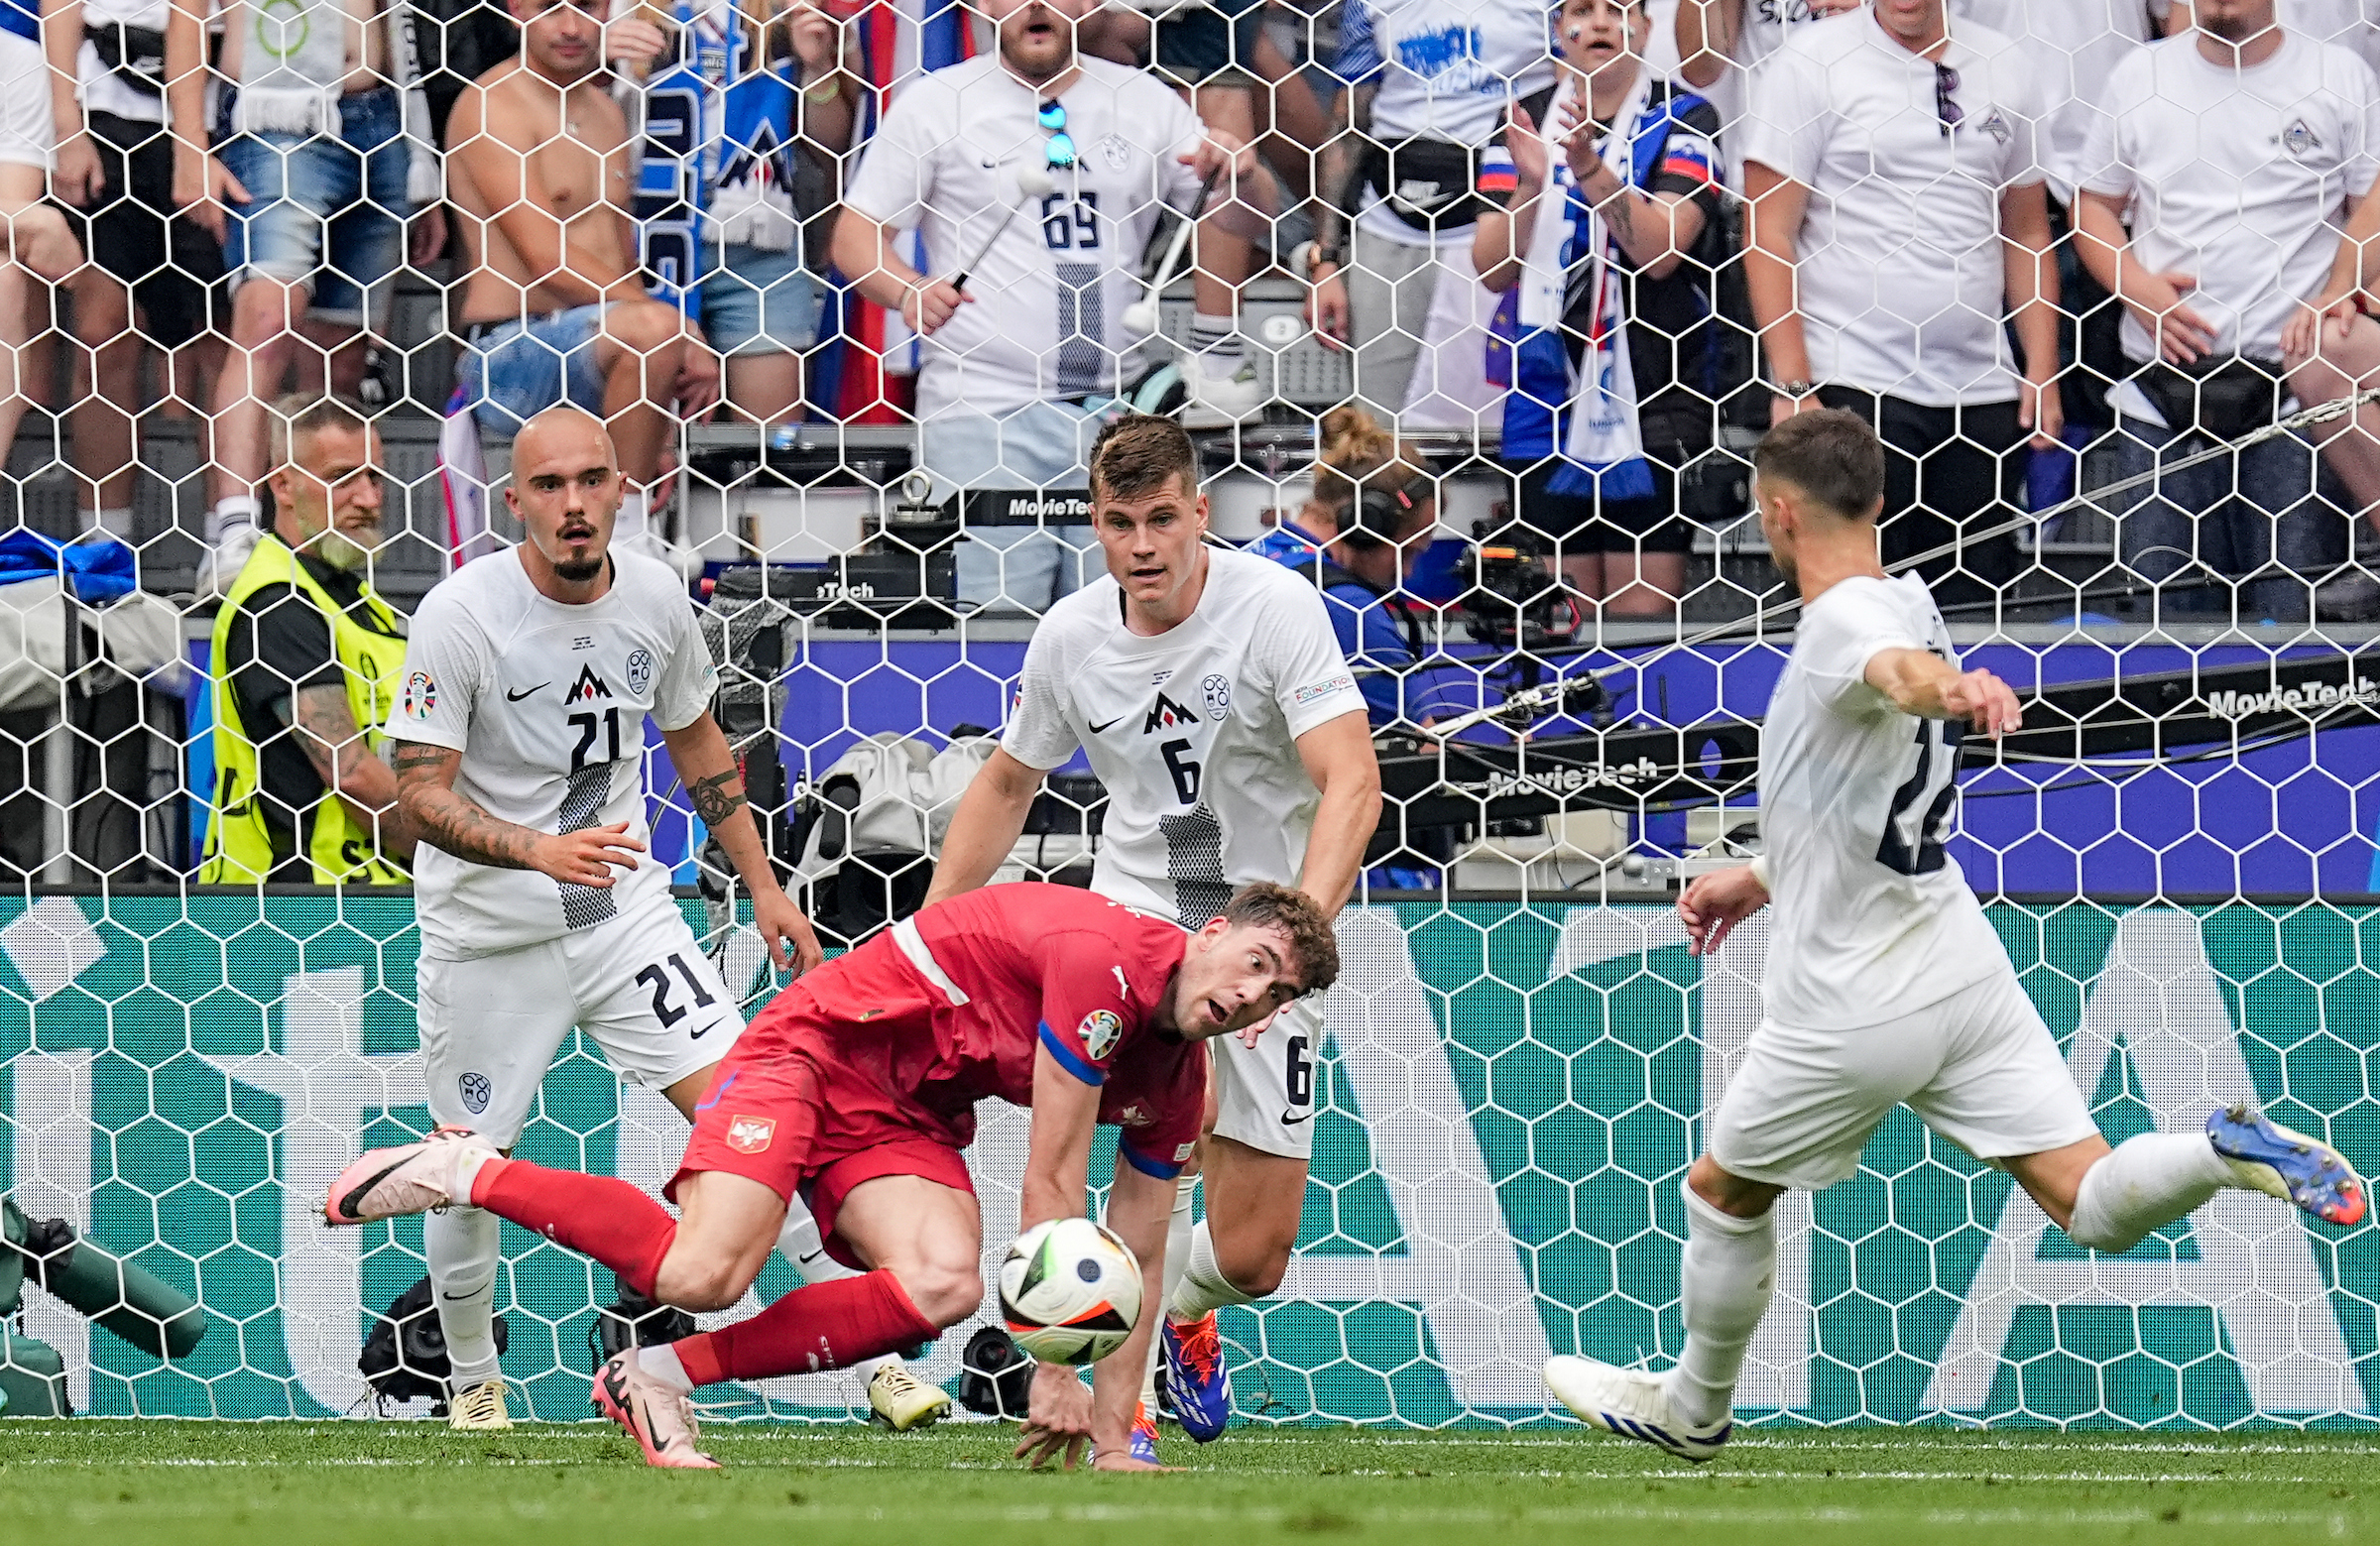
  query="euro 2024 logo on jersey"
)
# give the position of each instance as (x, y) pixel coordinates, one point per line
(1218, 689)
(1101, 1029)
(420, 695)
(639, 673)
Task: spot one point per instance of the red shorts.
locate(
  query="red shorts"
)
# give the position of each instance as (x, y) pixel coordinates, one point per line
(800, 1107)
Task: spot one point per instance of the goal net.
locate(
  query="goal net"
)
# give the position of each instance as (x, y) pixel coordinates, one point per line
(2178, 856)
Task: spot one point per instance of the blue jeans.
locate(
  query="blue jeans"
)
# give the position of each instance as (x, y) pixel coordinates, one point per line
(1042, 445)
(758, 302)
(322, 211)
(517, 369)
(2252, 519)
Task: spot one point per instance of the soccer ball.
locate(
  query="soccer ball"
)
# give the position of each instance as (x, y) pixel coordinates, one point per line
(1070, 1291)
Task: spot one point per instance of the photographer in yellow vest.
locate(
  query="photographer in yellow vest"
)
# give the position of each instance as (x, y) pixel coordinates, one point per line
(307, 661)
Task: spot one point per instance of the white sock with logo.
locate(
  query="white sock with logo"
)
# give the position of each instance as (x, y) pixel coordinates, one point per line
(1178, 1231)
(464, 1245)
(1724, 1282)
(231, 514)
(2145, 1182)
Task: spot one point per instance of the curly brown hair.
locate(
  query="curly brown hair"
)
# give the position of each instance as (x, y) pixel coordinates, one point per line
(1263, 904)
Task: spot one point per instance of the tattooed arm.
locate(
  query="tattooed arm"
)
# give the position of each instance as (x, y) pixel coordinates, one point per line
(458, 825)
(324, 725)
(707, 768)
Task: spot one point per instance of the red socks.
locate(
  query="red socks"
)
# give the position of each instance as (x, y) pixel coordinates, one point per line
(595, 1216)
(823, 1326)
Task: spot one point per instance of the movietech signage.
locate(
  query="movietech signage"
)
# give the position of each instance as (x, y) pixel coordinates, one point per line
(1509, 1097)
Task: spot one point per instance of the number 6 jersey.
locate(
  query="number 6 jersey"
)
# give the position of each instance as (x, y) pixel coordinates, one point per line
(1873, 918)
(1193, 731)
(548, 703)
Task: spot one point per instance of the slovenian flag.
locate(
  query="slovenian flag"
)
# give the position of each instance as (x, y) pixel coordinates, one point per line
(1496, 175)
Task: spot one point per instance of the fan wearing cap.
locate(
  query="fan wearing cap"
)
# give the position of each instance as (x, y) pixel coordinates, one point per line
(1019, 358)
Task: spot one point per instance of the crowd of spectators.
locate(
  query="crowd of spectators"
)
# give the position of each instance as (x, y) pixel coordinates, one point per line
(1594, 233)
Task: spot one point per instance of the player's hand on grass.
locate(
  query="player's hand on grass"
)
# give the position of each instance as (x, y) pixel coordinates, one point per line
(1985, 702)
(588, 856)
(1057, 1423)
(785, 929)
(1715, 902)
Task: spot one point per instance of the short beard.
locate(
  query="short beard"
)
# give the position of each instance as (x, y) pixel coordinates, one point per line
(342, 551)
(581, 571)
(2234, 29)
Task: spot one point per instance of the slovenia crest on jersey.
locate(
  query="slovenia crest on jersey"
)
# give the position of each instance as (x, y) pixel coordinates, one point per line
(639, 673)
(1218, 689)
(751, 1134)
(420, 695)
(1101, 1029)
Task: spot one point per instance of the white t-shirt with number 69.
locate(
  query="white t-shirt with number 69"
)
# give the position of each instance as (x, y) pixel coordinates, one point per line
(1050, 295)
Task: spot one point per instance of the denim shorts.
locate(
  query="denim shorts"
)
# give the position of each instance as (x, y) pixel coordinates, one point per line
(758, 302)
(517, 369)
(327, 213)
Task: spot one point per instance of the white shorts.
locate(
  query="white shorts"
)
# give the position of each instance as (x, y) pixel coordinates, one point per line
(1264, 1093)
(27, 131)
(1980, 1068)
(637, 984)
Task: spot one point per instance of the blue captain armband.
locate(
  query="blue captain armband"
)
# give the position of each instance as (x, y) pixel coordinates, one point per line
(1070, 1059)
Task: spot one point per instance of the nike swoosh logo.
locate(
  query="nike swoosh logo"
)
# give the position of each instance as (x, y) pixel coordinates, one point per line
(457, 1298)
(1101, 730)
(697, 1036)
(1288, 1120)
(515, 697)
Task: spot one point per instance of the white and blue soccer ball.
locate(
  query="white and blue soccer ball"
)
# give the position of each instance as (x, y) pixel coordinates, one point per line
(1070, 1291)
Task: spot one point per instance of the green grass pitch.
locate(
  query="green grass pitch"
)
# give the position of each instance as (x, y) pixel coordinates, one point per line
(194, 1484)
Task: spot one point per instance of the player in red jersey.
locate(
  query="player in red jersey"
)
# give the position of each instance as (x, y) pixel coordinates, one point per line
(857, 1087)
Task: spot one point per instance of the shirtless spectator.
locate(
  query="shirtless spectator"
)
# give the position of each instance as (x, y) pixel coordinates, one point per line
(326, 155)
(554, 309)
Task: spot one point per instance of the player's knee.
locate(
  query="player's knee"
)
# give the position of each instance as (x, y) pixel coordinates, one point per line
(944, 1293)
(701, 1281)
(1254, 1267)
(643, 325)
(1729, 1193)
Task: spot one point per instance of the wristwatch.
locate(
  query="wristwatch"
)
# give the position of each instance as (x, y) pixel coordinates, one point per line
(1793, 389)
(1334, 255)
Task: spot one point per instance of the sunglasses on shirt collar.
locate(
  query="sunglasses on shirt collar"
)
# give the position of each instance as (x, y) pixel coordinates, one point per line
(1060, 148)
(1947, 110)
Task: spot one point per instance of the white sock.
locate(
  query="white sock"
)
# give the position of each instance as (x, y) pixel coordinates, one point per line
(1177, 1266)
(1216, 340)
(799, 1244)
(1725, 1279)
(2145, 1182)
(230, 511)
(1204, 1289)
(115, 522)
(463, 1244)
(633, 521)
(663, 1364)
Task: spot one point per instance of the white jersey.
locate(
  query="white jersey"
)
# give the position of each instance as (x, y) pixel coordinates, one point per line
(2239, 178)
(1903, 272)
(1873, 920)
(1193, 731)
(2076, 44)
(1045, 300)
(548, 703)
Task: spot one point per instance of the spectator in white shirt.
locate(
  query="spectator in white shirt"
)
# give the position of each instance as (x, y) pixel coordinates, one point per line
(2239, 151)
(1428, 83)
(1898, 212)
(1020, 360)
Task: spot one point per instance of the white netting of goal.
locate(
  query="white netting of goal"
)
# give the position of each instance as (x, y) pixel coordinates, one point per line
(1521, 1049)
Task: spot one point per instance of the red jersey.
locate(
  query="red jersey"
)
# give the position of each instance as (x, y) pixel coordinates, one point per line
(954, 1004)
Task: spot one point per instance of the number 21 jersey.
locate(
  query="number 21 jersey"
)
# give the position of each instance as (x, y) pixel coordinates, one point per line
(548, 703)
(1873, 918)
(1193, 731)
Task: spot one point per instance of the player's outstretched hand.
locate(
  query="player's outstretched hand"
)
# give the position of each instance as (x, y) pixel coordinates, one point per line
(1057, 1422)
(1985, 702)
(588, 856)
(785, 929)
(1715, 902)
